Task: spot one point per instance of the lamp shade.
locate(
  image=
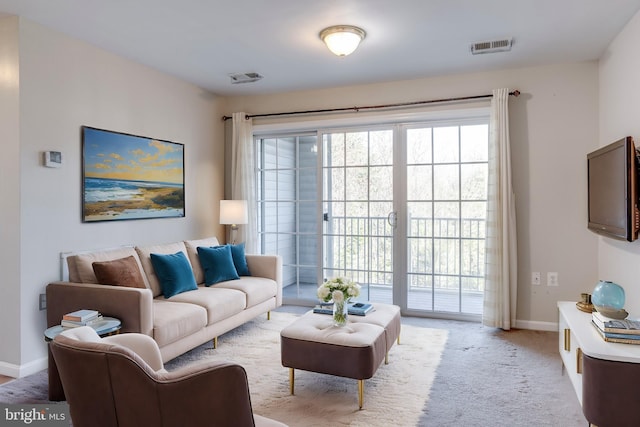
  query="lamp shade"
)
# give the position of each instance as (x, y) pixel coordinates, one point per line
(233, 212)
(342, 40)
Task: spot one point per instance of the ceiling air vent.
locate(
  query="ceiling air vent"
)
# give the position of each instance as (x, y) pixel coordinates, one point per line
(503, 45)
(237, 78)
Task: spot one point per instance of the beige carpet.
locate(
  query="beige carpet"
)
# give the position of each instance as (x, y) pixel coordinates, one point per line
(396, 395)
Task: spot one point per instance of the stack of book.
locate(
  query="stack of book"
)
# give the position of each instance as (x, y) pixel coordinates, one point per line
(353, 308)
(614, 330)
(80, 318)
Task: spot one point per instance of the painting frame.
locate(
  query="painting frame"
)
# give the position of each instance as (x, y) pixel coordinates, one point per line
(129, 177)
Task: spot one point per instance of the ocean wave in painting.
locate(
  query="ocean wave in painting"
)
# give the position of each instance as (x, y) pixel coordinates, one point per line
(122, 199)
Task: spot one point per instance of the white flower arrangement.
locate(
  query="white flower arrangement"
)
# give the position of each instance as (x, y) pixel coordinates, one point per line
(338, 290)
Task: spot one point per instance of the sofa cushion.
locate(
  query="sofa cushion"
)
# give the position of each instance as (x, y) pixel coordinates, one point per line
(217, 263)
(174, 273)
(220, 303)
(240, 260)
(256, 289)
(144, 253)
(119, 272)
(81, 264)
(192, 252)
(173, 320)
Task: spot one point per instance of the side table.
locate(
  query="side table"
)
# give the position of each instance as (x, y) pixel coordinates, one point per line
(105, 327)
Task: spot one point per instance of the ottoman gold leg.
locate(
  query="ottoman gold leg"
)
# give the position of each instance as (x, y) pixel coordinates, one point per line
(268, 315)
(292, 380)
(215, 342)
(360, 393)
(386, 358)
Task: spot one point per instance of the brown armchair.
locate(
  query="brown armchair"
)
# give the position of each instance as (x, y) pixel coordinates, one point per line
(108, 384)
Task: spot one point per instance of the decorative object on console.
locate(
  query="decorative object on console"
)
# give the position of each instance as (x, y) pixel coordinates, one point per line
(608, 298)
(340, 291)
(585, 303)
(130, 177)
(615, 326)
(233, 212)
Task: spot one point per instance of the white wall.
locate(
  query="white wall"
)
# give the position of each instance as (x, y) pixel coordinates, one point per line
(620, 116)
(64, 84)
(554, 124)
(9, 191)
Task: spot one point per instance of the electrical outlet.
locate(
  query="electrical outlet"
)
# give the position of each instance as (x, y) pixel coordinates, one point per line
(43, 302)
(535, 278)
(552, 279)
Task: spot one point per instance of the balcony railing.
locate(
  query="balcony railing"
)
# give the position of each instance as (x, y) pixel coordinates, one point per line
(442, 253)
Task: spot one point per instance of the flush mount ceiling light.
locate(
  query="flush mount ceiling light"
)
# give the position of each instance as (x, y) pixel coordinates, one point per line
(342, 39)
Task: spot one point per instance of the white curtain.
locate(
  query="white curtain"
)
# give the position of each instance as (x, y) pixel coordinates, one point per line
(243, 176)
(501, 272)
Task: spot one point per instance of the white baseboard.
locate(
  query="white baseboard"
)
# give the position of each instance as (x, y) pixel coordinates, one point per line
(537, 326)
(19, 371)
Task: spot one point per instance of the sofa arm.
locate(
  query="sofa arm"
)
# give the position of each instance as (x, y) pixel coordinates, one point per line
(268, 266)
(133, 306)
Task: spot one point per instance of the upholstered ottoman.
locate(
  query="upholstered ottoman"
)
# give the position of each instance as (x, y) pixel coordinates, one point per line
(312, 343)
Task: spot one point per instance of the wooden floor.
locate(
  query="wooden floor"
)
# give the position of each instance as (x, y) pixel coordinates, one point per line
(439, 301)
(4, 379)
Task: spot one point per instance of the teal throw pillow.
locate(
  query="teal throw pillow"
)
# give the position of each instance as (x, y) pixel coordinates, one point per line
(174, 273)
(240, 260)
(217, 264)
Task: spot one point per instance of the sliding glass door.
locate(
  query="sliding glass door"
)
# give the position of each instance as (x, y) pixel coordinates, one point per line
(288, 209)
(446, 177)
(357, 201)
(399, 209)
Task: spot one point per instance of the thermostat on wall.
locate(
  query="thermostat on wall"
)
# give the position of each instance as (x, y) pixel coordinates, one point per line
(53, 159)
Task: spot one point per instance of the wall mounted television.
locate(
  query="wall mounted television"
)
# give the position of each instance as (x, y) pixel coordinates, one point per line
(613, 190)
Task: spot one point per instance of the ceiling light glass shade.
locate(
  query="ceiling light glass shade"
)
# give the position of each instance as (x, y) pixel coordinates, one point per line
(342, 39)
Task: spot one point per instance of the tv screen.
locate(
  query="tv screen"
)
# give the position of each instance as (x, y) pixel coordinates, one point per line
(612, 189)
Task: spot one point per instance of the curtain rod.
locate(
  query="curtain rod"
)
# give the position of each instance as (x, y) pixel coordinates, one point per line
(515, 93)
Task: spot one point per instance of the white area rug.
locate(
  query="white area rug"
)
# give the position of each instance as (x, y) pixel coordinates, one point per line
(396, 395)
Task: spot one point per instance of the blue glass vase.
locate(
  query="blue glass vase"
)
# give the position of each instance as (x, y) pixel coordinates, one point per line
(608, 296)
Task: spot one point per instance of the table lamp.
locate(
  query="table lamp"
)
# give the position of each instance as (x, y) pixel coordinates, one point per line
(233, 212)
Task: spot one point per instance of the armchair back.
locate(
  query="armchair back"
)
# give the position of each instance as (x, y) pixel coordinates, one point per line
(110, 385)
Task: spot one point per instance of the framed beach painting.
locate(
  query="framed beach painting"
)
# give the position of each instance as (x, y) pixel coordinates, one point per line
(130, 177)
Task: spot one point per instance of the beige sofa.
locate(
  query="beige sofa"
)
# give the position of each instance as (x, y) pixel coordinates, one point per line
(178, 323)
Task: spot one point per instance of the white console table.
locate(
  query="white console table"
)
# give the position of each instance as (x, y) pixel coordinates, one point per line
(578, 338)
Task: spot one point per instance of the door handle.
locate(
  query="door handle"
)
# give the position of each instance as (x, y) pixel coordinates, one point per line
(392, 219)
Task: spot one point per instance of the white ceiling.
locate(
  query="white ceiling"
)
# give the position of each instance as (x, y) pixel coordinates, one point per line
(203, 41)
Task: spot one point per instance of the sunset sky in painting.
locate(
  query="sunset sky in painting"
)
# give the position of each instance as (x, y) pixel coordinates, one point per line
(110, 155)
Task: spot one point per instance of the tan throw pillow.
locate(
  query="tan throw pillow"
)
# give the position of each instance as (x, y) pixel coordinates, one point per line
(119, 272)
